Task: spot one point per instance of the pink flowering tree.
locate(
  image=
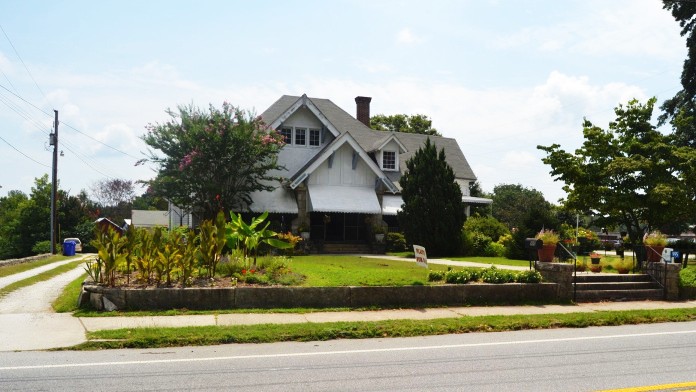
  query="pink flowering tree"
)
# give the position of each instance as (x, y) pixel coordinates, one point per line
(210, 161)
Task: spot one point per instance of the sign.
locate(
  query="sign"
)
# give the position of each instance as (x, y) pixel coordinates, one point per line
(421, 257)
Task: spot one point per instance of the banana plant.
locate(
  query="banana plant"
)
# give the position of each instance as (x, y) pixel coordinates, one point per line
(248, 237)
(212, 239)
(109, 244)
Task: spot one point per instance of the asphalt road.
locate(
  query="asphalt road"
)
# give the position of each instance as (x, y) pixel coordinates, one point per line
(546, 360)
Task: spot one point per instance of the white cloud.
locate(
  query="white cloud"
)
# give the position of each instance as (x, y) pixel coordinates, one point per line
(406, 36)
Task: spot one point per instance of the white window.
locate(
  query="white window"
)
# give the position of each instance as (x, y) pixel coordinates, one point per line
(314, 137)
(388, 160)
(286, 133)
(300, 136)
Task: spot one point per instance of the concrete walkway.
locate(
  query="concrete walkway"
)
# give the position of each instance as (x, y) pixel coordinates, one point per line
(33, 326)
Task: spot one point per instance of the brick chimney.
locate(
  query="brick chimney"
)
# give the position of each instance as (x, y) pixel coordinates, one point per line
(363, 109)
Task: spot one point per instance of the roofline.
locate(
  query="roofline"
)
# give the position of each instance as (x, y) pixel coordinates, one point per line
(306, 102)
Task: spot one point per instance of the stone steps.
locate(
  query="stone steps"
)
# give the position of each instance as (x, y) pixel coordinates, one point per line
(616, 287)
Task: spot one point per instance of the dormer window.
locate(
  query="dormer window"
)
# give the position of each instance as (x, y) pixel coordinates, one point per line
(388, 160)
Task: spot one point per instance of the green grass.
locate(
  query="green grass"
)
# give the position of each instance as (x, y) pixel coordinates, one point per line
(336, 271)
(268, 333)
(17, 268)
(491, 260)
(67, 300)
(46, 275)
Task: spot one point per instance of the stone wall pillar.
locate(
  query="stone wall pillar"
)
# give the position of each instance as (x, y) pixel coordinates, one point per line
(302, 213)
(668, 275)
(559, 273)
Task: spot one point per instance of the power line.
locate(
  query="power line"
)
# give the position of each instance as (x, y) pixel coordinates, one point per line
(22, 61)
(25, 155)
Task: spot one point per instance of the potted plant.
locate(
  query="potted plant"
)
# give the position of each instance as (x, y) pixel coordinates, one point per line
(550, 239)
(304, 230)
(623, 266)
(379, 231)
(655, 243)
(580, 266)
(595, 268)
(595, 257)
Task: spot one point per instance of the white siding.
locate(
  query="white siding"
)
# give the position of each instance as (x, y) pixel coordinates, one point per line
(342, 172)
(303, 117)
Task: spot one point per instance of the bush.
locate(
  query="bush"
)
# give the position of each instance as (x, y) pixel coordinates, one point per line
(461, 276)
(494, 275)
(687, 277)
(436, 276)
(494, 249)
(486, 225)
(42, 247)
(530, 276)
(395, 242)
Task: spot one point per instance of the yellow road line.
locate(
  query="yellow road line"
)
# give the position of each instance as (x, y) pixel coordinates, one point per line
(663, 387)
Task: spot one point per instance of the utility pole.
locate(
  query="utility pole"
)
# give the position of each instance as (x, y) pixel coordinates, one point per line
(54, 186)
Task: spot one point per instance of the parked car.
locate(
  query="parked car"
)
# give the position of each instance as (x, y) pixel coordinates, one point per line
(78, 243)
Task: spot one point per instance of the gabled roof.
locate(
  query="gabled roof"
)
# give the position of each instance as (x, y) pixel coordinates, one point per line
(336, 118)
(327, 151)
(391, 136)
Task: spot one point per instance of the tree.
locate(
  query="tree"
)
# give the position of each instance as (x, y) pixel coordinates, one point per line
(10, 210)
(680, 110)
(479, 209)
(212, 160)
(115, 197)
(630, 174)
(513, 204)
(417, 123)
(433, 212)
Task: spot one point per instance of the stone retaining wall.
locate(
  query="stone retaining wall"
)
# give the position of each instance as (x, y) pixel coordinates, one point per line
(24, 260)
(104, 298)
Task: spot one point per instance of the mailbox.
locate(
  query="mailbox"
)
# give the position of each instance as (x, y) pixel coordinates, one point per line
(533, 244)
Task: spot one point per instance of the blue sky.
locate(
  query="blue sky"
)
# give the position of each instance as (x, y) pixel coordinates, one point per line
(500, 76)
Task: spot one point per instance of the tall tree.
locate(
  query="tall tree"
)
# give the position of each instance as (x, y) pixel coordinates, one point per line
(680, 110)
(629, 174)
(10, 210)
(433, 212)
(512, 204)
(417, 123)
(212, 160)
(115, 197)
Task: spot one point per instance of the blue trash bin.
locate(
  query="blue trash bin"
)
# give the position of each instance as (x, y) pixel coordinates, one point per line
(69, 248)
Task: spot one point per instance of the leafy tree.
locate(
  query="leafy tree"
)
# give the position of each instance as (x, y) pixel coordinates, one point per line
(681, 109)
(629, 174)
(513, 204)
(417, 123)
(433, 211)
(486, 225)
(212, 160)
(10, 210)
(115, 197)
(150, 201)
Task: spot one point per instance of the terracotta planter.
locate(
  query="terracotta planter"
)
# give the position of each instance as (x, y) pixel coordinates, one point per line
(622, 270)
(654, 253)
(546, 253)
(596, 268)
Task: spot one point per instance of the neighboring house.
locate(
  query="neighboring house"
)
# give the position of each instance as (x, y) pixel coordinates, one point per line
(149, 219)
(341, 177)
(105, 223)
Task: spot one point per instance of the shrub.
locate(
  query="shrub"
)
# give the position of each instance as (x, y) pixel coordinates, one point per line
(494, 249)
(461, 276)
(486, 225)
(495, 275)
(395, 242)
(687, 277)
(42, 247)
(530, 276)
(436, 276)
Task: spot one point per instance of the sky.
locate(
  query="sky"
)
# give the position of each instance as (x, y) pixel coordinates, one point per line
(499, 76)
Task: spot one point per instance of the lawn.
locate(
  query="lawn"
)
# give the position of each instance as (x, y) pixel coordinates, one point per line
(333, 271)
(6, 270)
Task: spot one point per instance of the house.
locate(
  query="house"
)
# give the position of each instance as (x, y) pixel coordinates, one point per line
(341, 178)
(104, 224)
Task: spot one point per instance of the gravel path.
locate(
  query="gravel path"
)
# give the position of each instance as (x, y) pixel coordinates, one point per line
(7, 280)
(38, 297)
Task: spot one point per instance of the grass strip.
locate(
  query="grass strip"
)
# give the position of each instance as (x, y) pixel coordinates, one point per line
(17, 268)
(46, 275)
(269, 333)
(67, 300)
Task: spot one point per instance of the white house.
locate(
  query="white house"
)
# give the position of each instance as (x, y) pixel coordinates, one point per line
(341, 178)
